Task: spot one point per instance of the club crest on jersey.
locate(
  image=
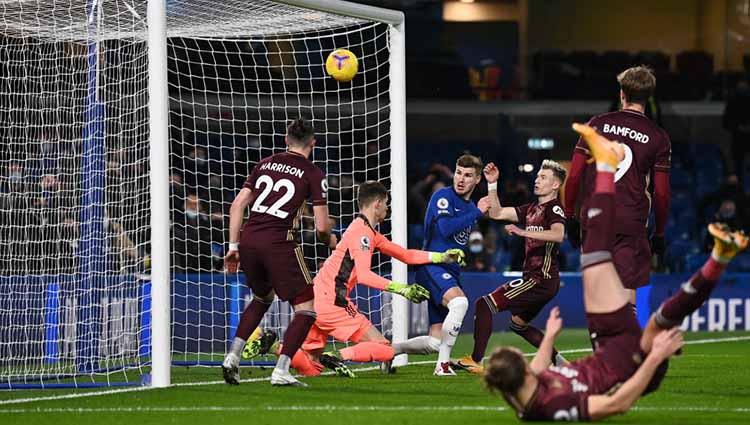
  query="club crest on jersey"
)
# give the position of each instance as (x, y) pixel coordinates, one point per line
(462, 237)
(558, 210)
(442, 203)
(364, 243)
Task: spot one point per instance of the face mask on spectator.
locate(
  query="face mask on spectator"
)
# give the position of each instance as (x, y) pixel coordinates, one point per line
(192, 214)
(475, 248)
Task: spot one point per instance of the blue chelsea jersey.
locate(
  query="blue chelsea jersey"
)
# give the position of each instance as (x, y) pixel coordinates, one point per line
(448, 222)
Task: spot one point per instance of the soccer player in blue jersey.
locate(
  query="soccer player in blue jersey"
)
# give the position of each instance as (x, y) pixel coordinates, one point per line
(448, 222)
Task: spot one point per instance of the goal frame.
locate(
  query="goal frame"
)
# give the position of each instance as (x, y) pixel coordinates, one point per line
(159, 174)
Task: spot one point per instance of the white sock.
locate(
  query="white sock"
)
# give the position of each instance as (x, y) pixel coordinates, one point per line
(238, 344)
(417, 345)
(282, 364)
(451, 327)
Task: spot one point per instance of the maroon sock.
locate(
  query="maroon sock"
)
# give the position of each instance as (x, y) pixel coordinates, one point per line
(531, 334)
(600, 223)
(482, 328)
(689, 298)
(251, 318)
(296, 332)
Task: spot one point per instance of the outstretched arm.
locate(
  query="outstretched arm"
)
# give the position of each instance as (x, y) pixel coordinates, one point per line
(555, 234)
(543, 357)
(602, 406)
(497, 211)
(407, 256)
(448, 226)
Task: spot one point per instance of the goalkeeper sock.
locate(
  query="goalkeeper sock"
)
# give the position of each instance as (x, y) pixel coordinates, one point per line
(306, 366)
(451, 326)
(418, 345)
(368, 351)
(294, 337)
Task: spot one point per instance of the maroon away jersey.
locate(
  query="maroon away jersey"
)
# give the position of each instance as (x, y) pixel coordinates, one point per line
(647, 148)
(562, 395)
(541, 256)
(281, 184)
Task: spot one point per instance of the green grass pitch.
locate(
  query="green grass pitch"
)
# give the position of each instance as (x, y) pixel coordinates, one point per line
(709, 384)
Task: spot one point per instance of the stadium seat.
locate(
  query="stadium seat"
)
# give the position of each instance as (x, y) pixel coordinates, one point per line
(502, 260)
(695, 261)
(741, 264)
(573, 261)
(680, 178)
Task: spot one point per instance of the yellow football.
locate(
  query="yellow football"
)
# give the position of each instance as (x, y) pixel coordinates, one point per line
(342, 65)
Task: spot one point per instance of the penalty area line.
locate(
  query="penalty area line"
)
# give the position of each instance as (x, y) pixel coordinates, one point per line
(363, 369)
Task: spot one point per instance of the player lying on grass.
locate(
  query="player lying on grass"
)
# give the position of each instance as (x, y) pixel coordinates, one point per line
(626, 363)
(542, 223)
(349, 264)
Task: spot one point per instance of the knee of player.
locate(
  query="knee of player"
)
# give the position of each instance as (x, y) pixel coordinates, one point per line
(433, 344)
(517, 324)
(459, 304)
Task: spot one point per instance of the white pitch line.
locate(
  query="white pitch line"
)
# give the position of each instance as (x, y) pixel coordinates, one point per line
(203, 383)
(192, 409)
(334, 408)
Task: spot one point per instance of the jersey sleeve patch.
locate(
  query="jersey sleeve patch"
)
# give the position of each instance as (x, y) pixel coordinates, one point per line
(364, 244)
(442, 203)
(558, 210)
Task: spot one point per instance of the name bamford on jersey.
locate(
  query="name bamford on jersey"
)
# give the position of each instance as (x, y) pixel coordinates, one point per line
(283, 168)
(628, 132)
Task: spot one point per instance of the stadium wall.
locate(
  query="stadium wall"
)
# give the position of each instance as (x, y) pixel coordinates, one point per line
(209, 305)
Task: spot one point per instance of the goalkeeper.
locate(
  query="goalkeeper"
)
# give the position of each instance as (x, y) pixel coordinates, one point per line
(337, 315)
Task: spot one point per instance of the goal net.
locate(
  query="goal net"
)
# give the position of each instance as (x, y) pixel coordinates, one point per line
(75, 195)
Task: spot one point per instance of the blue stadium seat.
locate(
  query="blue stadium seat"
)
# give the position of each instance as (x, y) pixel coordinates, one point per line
(680, 178)
(572, 260)
(416, 236)
(682, 200)
(502, 260)
(695, 261)
(741, 264)
(678, 250)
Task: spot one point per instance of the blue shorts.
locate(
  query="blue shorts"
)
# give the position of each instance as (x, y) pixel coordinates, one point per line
(438, 281)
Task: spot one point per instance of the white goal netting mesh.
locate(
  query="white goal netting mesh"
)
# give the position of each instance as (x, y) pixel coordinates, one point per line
(74, 195)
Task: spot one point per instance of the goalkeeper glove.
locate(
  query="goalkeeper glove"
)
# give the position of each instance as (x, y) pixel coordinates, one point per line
(450, 256)
(414, 293)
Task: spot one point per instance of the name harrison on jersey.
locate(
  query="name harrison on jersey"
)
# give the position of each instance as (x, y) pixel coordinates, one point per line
(283, 168)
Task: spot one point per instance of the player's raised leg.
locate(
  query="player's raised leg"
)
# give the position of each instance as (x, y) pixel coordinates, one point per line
(694, 292)
(603, 290)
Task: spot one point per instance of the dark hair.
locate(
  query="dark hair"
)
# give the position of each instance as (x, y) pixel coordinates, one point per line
(557, 170)
(300, 132)
(506, 371)
(369, 192)
(470, 161)
(638, 83)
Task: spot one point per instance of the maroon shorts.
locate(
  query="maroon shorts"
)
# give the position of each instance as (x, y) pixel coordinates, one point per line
(278, 266)
(632, 258)
(524, 297)
(617, 354)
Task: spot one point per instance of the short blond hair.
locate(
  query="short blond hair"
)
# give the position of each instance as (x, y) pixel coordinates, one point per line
(557, 170)
(470, 161)
(638, 83)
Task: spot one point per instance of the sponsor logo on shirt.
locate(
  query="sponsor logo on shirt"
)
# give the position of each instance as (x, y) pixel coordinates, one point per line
(462, 237)
(558, 210)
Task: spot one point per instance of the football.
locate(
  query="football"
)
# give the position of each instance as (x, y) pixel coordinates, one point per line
(342, 65)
